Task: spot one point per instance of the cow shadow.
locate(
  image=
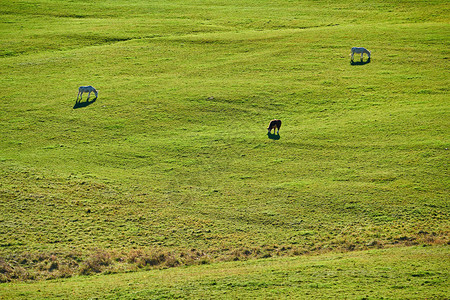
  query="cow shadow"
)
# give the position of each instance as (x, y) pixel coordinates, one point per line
(273, 136)
(84, 104)
(360, 63)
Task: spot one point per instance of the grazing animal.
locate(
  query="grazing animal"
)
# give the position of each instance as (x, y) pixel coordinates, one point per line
(360, 50)
(274, 124)
(86, 89)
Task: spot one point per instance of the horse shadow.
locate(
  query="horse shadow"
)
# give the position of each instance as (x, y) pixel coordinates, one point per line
(273, 136)
(360, 63)
(84, 104)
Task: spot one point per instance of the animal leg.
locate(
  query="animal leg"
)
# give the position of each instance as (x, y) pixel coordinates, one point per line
(89, 95)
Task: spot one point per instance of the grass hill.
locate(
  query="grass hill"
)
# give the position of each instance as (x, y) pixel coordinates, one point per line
(172, 164)
(395, 273)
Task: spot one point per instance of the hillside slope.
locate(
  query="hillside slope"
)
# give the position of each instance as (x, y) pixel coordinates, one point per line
(172, 164)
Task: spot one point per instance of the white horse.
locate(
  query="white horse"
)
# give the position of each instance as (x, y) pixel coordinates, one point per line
(86, 89)
(360, 50)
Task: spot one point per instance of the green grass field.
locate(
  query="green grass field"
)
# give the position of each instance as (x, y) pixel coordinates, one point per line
(172, 166)
(396, 273)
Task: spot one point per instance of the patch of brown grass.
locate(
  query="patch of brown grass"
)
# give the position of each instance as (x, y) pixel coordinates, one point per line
(38, 266)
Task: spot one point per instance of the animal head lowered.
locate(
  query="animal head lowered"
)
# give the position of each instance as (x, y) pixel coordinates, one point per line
(86, 89)
(359, 50)
(274, 124)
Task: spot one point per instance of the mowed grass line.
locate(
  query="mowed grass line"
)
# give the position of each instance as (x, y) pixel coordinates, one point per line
(395, 273)
(174, 155)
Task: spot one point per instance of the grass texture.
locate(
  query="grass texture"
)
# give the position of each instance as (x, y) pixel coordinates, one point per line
(172, 164)
(395, 273)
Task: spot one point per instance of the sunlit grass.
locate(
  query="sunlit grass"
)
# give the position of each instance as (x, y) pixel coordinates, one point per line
(173, 156)
(396, 273)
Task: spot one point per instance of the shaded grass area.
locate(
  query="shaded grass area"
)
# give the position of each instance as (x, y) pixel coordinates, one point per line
(172, 164)
(395, 273)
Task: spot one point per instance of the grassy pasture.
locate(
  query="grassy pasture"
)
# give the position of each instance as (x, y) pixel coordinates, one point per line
(396, 273)
(173, 158)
